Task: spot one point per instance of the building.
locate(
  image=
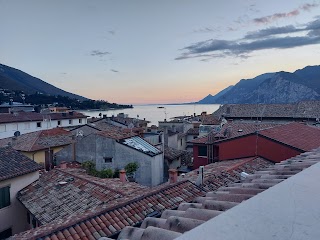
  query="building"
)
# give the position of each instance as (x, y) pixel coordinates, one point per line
(26, 122)
(159, 201)
(114, 149)
(65, 193)
(239, 140)
(278, 203)
(305, 111)
(108, 221)
(40, 146)
(15, 107)
(16, 172)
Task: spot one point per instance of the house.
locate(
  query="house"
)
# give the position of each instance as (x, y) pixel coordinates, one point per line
(238, 140)
(122, 120)
(67, 192)
(108, 221)
(40, 146)
(305, 111)
(12, 107)
(16, 172)
(17, 123)
(114, 149)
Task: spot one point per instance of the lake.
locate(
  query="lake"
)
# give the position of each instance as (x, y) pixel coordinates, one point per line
(154, 114)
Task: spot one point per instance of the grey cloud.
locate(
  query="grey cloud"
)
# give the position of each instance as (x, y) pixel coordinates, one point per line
(272, 31)
(267, 32)
(113, 70)
(99, 53)
(206, 30)
(308, 6)
(254, 41)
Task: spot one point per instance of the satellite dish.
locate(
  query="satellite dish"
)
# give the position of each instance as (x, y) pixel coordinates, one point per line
(80, 133)
(16, 134)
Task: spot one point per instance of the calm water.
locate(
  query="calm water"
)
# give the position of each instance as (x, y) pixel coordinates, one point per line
(154, 114)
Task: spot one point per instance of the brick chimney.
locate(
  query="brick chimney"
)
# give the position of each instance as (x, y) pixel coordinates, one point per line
(122, 175)
(173, 175)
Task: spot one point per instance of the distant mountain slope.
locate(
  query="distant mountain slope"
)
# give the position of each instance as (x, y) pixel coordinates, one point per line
(280, 87)
(210, 98)
(14, 79)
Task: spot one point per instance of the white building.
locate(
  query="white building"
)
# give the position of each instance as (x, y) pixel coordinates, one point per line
(16, 172)
(25, 122)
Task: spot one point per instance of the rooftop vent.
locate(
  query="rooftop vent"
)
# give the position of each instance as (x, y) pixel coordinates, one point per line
(240, 130)
(244, 175)
(62, 183)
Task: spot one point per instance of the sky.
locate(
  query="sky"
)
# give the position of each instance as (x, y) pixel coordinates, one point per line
(168, 51)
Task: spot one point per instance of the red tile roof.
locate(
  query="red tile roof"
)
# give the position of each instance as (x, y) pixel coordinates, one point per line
(38, 140)
(173, 223)
(14, 164)
(235, 129)
(222, 173)
(116, 134)
(297, 135)
(63, 194)
(108, 221)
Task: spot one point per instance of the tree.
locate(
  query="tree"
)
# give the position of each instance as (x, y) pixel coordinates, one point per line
(131, 168)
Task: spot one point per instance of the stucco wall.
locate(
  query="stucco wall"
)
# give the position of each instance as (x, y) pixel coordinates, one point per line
(15, 215)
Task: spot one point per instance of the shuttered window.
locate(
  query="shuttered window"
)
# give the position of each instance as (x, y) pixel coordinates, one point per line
(4, 197)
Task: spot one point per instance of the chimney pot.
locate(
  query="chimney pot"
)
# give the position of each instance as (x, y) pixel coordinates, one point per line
(63, 165)
(122, 174)
(173, 175)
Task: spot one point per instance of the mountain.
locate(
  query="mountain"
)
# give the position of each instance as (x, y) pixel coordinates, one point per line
(14, 79)
(210, 98)
(279, 87)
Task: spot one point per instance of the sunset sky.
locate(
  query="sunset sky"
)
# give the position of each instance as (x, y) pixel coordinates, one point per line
(156, 51)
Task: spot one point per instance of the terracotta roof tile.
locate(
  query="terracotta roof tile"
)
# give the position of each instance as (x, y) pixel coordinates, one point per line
(297, 135)
(39, 140)
(191, 215)
(14, 164)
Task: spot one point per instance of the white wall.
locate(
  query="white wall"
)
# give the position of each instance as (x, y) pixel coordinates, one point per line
(8, 129)
(15, 215)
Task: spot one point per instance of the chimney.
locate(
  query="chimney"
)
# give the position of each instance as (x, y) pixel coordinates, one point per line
(123, 177)
(199, 180)
(173, 175)
(63, 165)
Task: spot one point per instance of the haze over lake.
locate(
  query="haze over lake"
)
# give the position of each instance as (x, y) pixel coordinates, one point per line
(154, 114)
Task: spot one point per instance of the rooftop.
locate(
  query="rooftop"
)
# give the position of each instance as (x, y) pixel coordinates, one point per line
(14, 164)
(222, 173)
(61, 194)
(305, 109)
(38, 140)
(33, 116)
(141, 145)
(257, 207)
(297, 135)
(105, 222)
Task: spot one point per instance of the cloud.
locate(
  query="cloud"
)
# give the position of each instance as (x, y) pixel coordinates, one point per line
(308, 6)
(206, 30)
(99, 53)
(254, 41)
(113, 70)
(277, 16)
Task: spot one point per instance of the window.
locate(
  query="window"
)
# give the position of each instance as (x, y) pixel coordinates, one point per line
(70, 121)
(107, 159)
(202, 151)
(2, 128)
(180, 142)
(4, 197)
(80, 120)
(38, 124)
(59, 123)
(6, 233)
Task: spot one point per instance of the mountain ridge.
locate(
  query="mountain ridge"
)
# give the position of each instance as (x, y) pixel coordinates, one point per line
(278, 87)
(16, 80)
